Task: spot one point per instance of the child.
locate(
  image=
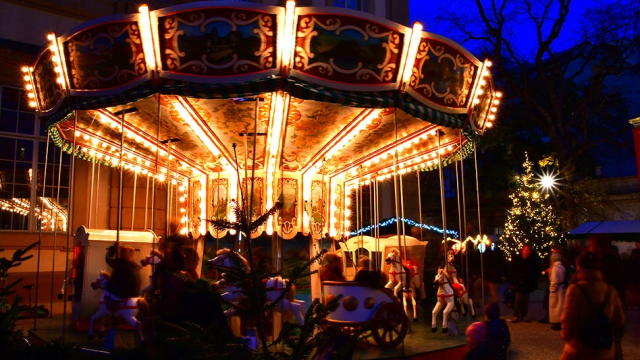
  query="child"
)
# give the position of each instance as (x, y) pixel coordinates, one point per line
(497, 331)
(478, 348)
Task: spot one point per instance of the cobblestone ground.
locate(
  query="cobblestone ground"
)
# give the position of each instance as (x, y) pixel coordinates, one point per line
(536, 341)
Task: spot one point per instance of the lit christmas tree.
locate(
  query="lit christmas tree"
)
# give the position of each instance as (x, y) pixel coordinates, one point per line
(531, 220)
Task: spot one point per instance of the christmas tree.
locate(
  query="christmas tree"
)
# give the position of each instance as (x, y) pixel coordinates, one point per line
(531, 220)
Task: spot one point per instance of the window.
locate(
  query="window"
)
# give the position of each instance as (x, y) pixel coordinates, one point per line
(23, 148)
(362, 5)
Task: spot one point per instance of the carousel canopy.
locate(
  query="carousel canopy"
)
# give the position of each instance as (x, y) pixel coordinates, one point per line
(204, 90)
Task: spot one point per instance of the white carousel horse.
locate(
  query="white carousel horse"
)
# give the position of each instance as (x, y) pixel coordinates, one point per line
(445, 300)
(397, 277)
(274, 287)
(465, 300)
(154, 260)
(124, 308)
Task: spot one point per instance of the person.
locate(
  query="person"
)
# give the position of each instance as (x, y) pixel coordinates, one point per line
(497, 331)
(331, 270)
(524, 280)
(611, 267)
(369, 276)
(557, 288)
(589, 288)
(478, 348)
(492, 276)
(125, 279)
(545, 301)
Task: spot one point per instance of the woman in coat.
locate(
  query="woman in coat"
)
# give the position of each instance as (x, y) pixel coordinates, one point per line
(557, 288)
(577, 314)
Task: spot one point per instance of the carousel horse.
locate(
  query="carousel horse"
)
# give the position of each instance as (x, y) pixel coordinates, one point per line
(274, 287)
(397, 277)
(445, 300)
(465, 300)
(154, 260)
(124, 308)
(460, 291)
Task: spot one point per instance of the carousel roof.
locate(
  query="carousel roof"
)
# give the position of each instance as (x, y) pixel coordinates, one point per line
(307, 90)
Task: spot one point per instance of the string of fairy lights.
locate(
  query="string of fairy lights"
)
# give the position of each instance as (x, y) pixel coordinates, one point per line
(406, 221)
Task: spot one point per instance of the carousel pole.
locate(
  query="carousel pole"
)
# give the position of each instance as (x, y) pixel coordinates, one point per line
(55, 233)
(395, 179)
(153, 196)
(323, 207)
(463, 230)
(146, 203)
(168, 199)
(69, 224)
(95, 222)
(93, 170)
(240, 200)
(442, 202)
(395, 192)
(358, 217)
(253, 171)
(377, 224)
(404, 237)
(371, 219)
(246, 203)
(459, 212)
(120, 183)
(44, 188)
(475, 157)
(419, 203)
(218, 214)
(135, 187)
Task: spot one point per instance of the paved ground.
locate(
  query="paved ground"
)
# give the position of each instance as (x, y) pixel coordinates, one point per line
(535, 341)
(532, 341)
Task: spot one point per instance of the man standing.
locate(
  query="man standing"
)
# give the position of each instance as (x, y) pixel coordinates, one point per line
(524, 275)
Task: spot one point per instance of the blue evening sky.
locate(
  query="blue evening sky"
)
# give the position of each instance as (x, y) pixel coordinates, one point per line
(425, 11)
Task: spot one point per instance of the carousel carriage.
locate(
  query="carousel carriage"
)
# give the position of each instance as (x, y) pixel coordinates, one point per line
(362, 303)
(381, 304)
(89, 251)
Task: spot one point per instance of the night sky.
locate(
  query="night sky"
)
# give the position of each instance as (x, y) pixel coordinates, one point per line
(425, 11)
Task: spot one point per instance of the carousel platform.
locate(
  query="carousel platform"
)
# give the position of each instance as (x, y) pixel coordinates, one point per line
(51, 329)
(419, 344)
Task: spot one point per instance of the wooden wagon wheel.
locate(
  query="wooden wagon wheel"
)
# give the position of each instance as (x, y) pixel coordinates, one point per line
(389, 325)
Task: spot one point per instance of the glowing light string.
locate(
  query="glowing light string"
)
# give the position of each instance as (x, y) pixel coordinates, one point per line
(406, 221)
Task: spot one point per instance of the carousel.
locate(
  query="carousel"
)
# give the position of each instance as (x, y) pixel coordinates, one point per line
(201, 104)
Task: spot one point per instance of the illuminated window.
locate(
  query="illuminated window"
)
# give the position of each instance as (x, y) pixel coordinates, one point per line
(23, 149)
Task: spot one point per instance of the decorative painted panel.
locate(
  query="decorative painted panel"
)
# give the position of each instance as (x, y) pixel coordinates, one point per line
(318, 208)
(288, 215)
(217, 41)
(254, 200)
(48, 90)
(443, 75)
(219, 196)
(105, 56)
(347, 49)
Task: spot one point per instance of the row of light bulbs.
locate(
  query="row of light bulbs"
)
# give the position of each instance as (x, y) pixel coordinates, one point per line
(497, 95)
(183, 202)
